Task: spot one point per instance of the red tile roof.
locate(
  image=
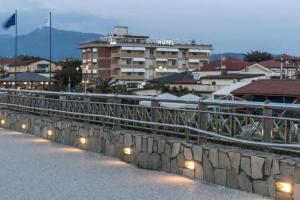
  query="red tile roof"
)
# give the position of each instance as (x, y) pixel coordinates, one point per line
(288, 88)
(6, 61)
(274, 63)
(232, 64)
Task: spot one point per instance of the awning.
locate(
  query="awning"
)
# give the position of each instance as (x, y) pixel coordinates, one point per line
(137, 70)
(138, 59)
(167, 49)
(161, 59)
(194, 60)
(133, 48)
(198, 51)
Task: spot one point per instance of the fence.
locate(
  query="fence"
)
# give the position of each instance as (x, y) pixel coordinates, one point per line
(258, 124)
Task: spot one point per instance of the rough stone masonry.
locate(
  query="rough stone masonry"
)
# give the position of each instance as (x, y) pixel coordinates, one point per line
(247, 170)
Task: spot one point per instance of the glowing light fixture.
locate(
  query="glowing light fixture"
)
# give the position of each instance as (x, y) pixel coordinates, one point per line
(2, 121)
(23, 126)
(49, 132)
(82, 140)
(189, 164)
(284, 187)
(127, 151)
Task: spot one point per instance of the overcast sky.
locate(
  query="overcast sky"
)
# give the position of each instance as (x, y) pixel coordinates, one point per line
(230, 25)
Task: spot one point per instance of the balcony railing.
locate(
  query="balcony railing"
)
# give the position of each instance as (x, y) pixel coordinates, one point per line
(263, 125)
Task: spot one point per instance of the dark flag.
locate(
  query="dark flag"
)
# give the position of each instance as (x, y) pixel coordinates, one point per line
(10, 22)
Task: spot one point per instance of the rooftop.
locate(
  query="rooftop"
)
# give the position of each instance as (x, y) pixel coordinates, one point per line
(287, 88)
(172, 78)
(26, 76)
(232, 76)
(275, 63)
(231, 64)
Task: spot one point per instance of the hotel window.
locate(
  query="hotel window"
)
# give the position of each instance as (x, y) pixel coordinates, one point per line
(128, 62)
(213, 83)
(173, 62)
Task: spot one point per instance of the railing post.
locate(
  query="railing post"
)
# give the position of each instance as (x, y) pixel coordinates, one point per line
(202, 115)
(154, 113)
(117, 113)
(267, 123)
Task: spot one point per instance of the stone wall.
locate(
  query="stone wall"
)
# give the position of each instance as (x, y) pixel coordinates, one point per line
(232, 167)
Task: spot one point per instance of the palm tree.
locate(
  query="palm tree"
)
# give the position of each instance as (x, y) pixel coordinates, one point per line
(105, 85)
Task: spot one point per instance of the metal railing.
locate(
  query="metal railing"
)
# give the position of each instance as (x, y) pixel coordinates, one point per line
(251, 123)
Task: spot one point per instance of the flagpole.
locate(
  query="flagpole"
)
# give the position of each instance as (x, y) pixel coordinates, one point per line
(16, 46)
(50, 45)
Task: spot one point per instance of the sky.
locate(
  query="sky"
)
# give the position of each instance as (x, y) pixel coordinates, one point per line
(229, 25)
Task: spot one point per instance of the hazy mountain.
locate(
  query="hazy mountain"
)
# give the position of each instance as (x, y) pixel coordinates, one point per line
(36, 43)
(64, 44)
(234, 55)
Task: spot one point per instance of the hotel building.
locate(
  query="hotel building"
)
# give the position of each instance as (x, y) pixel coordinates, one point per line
(137, 58)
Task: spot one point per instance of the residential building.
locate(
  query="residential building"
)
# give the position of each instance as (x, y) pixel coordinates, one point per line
(138, 58)
(36, 65)
(233, 66)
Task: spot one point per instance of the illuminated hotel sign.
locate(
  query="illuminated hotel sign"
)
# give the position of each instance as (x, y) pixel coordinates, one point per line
(165, 42)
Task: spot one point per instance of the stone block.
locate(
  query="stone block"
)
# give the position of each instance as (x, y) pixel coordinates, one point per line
(127, 140)
(161, 146)
(245, 183)
(155, 146)
(198, 171)
(235, 159)
(175, 149)
(275, 167)
(145, 144)
(168, 150)
(180, 160)
(220, 177)
(150, 145)
(174, 166)
(214, 158)
(268, 166)
(246, 165)
(208, 170)
(188, 153)
(297, 173)
(155, 161)
(138, 143)
(165, 163)
(260, 187)
(271, 186)
(257, 164)
(232, 180)
(197, 151)
(286, 171)
(224, 161)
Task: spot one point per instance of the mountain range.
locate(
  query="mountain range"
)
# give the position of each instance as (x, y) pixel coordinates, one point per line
(64, 44)
(36, 43)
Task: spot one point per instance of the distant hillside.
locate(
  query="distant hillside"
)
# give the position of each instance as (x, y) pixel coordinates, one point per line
(234, 55)
(36, 43)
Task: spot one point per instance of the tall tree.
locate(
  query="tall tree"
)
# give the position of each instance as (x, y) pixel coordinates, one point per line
(257, 56)
(71, 71)
(105, 85)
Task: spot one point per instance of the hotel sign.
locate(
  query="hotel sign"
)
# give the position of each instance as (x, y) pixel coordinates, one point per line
(165, 42)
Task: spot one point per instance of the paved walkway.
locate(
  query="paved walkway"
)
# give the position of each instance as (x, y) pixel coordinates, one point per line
(33, 169)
